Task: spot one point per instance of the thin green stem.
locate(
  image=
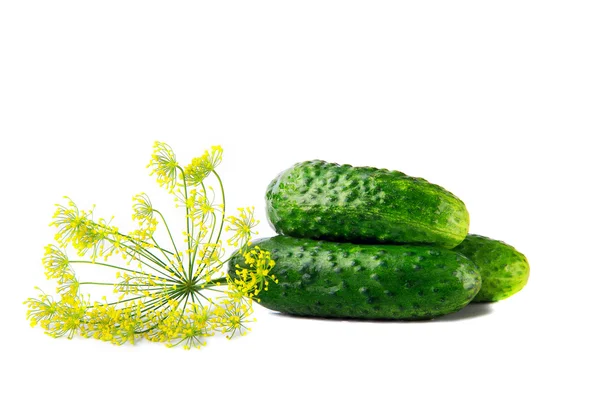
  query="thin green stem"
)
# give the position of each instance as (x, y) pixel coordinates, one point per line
(174, 270)
(195, 299)
(170, 236)
(99, 263)
(149, 287)
(210, 288)
(166, 276)
(197, 241)
(222, 215)
(121, 301)
(187, 220)
(130, 238)
(209, 241)
(146, 254)
(215, 222)
(121, 268)
(215, 281)
(187, 296)
(201, 295)
(138, 248)
(214, 225)
(200, 233)
(154, 304)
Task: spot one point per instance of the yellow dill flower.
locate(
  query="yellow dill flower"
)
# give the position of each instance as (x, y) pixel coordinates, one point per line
(69, 221)
(208, 256)
(164, 165)
(69, 318)
(195, 326)
(145, 230)
(78, 228)
(201, 208)
(69, 287)
(215, 158)
(241, 226)
(130, 324)
(233, 317)
(142, 207)
(168, 325)
(56, 264)
(256, 276)
(103, 321)
(41, 309)
(201, 167)
(116, 244)
(92, 236)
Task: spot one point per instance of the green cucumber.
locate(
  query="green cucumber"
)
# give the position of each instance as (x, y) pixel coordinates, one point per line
(504, 271)
(368, 281)
(321, 200)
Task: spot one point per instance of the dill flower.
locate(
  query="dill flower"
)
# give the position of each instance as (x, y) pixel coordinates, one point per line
(69, 318)
(233, 317)
(56, 264)
(201, 205)
(176, 292)
(41, 309)
(241, 226)
(78, 228)
(201, 167)
(196, 325)
(70, 222)
(69, 287)
(164, 165)
(256, 275)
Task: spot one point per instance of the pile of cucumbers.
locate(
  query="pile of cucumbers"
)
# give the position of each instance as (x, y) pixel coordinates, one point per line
(361, 242)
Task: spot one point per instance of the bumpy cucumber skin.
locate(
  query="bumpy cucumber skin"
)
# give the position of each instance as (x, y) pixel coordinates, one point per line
(321, 200)
(345, 280)
(504, 270)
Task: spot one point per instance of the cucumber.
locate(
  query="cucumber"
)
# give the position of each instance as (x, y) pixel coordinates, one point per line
(321, 200)
(367, 281)
(504, 270)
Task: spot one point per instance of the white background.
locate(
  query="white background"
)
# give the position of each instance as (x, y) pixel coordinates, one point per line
(496, 101)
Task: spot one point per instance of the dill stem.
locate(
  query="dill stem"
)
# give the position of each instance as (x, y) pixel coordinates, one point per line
(170, 236)
(215, 222)
(97, 283)
(120, 301)
(200, 233)
(187, 220)
(223, 214)
(121, 268)
(165, 276)
(174, 270)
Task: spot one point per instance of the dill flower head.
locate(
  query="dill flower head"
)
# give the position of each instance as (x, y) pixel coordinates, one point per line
(256, 275)
(41, 309)
(142, 207)
(70, 221)
(164, 164)
(233, 317)
(78, 228)
(241, 226)
(175, 292)
(143, 213)
(201, 167)
(56, 264)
